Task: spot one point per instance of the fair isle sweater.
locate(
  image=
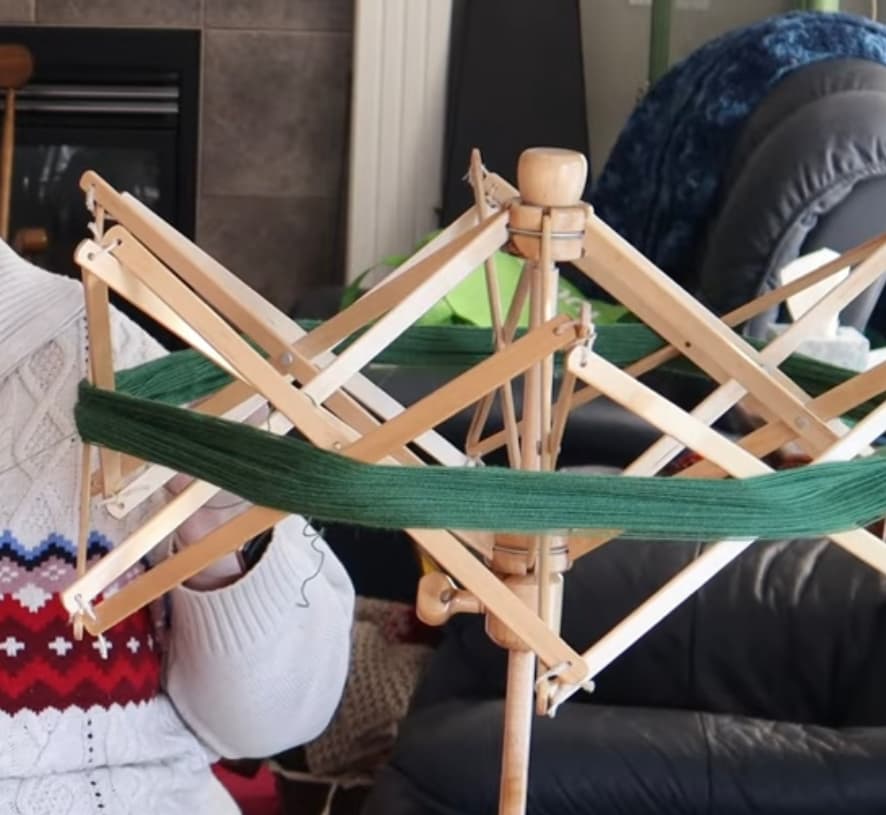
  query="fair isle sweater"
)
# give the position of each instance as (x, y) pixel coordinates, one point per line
(127, 725)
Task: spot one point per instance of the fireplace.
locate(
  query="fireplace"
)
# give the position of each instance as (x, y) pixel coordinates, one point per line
(122, 102)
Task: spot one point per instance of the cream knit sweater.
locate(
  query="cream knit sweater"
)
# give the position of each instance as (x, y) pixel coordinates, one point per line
(131, 727)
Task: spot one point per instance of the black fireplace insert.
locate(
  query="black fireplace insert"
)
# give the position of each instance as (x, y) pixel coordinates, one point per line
(123, 102)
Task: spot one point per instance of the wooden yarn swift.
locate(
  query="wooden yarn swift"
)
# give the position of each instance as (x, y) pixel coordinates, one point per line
(515, 581)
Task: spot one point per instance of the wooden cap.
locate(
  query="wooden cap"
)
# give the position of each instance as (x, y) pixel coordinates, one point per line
(16, 66)
(551, 176)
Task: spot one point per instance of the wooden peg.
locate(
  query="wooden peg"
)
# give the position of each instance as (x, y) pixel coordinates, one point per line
(438, 600)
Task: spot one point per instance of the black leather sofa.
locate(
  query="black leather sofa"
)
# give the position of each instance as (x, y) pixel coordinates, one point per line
(761, 694)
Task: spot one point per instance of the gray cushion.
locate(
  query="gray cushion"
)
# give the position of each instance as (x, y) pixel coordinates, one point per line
(818, 140)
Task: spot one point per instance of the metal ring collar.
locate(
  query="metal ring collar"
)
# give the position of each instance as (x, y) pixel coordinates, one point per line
(536, 233)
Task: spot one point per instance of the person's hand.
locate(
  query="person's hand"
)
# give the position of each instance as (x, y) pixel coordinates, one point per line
(215, 512)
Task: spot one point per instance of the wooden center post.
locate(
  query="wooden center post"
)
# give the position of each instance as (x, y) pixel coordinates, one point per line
(546, 225)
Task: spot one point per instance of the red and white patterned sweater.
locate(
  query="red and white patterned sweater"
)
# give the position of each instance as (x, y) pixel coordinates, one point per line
(122, 725)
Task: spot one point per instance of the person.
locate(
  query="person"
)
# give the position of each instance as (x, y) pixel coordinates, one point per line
(236, 663)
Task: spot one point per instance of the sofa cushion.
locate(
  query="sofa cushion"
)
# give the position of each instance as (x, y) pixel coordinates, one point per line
(601, 760)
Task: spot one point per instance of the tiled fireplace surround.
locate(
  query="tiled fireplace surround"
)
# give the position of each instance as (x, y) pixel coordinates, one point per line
(273, 126)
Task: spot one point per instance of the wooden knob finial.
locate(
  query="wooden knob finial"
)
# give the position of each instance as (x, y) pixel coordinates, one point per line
(16, 65)
(438, 599)
(551, 176)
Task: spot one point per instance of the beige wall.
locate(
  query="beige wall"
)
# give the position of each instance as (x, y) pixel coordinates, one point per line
(616, 41)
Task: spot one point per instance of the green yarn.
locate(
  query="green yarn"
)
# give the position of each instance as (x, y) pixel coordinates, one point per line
(186, 375)
(173, 379)
(293, 476)
(142, 418)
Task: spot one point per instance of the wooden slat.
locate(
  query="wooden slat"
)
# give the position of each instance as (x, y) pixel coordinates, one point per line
(702, 337)
(466, 255)
(101, 366)
(726, 396)
(465, 389)
(241, 305)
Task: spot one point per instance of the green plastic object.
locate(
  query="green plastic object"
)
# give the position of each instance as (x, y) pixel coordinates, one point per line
(468, 303)
(820, 5)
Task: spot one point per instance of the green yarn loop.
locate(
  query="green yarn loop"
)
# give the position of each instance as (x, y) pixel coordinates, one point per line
(186, 375)
(142, 418)
(296, 477)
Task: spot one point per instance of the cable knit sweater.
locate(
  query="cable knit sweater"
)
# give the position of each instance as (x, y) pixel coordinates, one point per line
(126, 725)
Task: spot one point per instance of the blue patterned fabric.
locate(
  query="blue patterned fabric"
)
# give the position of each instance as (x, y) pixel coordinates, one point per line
(55, 546)
(660, 184)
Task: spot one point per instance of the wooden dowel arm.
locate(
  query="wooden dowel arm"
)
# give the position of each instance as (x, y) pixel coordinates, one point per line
(587, 394)
(617, 640)
(836, 402)
(464, 390)
(467, 253)
(242, 306)
(439, 544)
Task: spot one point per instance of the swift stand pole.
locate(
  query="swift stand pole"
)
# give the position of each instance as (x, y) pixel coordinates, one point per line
(546, 225)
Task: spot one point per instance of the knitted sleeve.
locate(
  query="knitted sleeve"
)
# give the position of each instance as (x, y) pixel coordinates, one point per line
(258, 666)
